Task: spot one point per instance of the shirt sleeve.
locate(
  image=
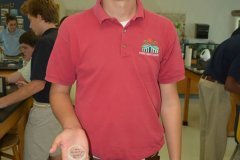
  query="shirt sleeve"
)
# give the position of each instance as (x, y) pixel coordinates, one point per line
(171, 65)
(25, 71)
(61, 67)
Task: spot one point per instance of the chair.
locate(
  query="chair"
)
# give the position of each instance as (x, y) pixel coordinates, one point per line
(10, 141)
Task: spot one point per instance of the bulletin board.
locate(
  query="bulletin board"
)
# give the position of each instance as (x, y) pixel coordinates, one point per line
(12, 7)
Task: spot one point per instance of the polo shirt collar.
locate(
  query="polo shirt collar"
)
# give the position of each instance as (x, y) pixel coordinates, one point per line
(102, 15)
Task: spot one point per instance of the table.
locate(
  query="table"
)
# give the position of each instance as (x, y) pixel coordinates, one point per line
(195, 75)
(11, 63)
(6, 72)
(16, 118)
(235, 99)
(191, 75)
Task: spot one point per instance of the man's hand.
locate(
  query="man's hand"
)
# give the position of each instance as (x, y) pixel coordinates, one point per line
(21, 83)
(68, 138)
(2, 105)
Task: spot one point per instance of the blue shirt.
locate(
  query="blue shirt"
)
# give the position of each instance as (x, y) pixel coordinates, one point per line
(11, 41)
(226, 60)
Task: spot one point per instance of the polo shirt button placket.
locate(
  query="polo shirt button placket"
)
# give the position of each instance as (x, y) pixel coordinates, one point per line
(123, 49)
(124, 44)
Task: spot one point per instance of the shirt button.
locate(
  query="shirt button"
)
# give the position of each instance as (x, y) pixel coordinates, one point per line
(124, 46)
(124, 30)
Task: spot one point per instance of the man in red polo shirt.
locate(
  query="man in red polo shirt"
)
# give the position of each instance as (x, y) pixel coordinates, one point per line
(126, 61)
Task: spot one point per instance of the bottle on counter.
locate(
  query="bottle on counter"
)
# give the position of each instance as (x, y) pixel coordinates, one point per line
(188, 57)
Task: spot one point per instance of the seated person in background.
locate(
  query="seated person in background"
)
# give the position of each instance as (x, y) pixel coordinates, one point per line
(27, 42)
(10, 36)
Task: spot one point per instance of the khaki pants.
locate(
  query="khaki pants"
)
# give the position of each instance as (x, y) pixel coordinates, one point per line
(215, 112)
(236, 153)
(41, 129)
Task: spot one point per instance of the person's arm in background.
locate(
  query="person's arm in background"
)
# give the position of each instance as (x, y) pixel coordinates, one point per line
(14, 77)
(24, 92)
(20, 77)
(232, 85)
(171, 119)
(232, 82)
(72, 133)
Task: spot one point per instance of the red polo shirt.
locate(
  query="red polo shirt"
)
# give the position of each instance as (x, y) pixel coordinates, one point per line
(118, 71)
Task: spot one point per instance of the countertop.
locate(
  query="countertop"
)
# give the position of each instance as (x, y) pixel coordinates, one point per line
(10, 65)
(194, 69)
(6, 112)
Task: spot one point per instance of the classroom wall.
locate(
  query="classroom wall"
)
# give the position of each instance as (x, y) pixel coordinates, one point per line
(216, 13)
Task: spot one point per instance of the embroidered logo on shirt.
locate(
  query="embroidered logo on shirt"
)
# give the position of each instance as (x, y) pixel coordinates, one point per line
(150, 48)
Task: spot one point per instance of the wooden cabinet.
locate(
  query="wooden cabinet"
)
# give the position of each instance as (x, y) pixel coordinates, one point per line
(181, 87)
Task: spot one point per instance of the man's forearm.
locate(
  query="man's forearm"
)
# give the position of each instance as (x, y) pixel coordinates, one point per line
(63, 108)
(171, 117)
(22, 93)
(232, 85)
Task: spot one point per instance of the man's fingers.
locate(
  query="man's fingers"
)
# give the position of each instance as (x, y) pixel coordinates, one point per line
(55, 145)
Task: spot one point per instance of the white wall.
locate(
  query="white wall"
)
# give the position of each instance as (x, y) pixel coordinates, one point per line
(216, 13)
(62, 8)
